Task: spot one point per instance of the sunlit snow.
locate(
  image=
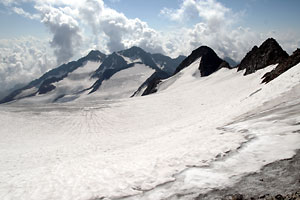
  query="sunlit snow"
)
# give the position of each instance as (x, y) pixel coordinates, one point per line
(195, 134)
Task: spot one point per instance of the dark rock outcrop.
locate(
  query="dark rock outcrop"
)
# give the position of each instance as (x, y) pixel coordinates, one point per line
(270, 52)
(285, 65)
(210, 61)
(151, 83)
(278, 179)
(47, 85)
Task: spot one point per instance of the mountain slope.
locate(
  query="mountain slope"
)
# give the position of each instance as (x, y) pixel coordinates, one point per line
(269, 53)
(85, 77)
(197, 135)
(46, 83)
(209, 62)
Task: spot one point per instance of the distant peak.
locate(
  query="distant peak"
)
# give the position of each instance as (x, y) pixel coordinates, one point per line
(95, 55)
(95, 52)
(210, 61)
(134, 50)
(180, 57)
(270, 42)
(204, 50)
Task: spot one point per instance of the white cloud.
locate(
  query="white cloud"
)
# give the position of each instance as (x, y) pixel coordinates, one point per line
(20, 11)
(65, 30)
(120, 31)
(70, 22)
(215, 28)
(22, 60)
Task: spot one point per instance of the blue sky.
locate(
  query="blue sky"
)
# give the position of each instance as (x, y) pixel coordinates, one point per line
(37, 35)
(260, 15)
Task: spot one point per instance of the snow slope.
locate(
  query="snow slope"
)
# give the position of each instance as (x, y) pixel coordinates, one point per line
(122, 84)
(76, 81)
(113, 149)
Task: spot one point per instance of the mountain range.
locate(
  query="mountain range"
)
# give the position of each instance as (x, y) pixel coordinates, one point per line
(195, 128)
(135, 72)
(97, 75)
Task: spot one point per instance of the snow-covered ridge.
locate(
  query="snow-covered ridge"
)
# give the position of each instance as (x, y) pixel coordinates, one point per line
(84, 78)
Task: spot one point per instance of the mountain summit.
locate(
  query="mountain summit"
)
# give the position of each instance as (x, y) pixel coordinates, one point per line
(210, 61)
(269, 53)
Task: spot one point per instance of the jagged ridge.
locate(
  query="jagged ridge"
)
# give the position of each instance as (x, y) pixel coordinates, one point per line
(285, 65)
(269, 53)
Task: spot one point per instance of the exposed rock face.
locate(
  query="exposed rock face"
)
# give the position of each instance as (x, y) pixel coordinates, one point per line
(210, 61)
(277, 180)
(47, 85)
(270, 52)
(292, 196)
(151, 83)
(291, 61)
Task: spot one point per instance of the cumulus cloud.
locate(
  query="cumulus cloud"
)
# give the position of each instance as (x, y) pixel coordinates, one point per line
(120, 31)
(66, 32)
(215, 27)
(113, 31)
(22, 60)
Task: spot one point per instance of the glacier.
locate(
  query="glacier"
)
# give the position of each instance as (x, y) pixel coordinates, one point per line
(194, 135)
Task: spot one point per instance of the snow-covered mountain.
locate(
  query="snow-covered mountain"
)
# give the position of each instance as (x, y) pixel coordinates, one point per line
(199, 136)
(97, 76)
(207, 62)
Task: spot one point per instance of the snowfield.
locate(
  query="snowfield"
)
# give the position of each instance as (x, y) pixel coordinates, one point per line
(194, 135)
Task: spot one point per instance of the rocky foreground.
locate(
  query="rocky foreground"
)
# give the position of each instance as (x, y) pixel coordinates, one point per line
(277, 181)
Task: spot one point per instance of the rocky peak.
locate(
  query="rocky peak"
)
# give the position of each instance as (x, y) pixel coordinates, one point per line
(113, 61)
(210, 61)
(270, 52)
(133, 52)
(290, 62)
(95, 55)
